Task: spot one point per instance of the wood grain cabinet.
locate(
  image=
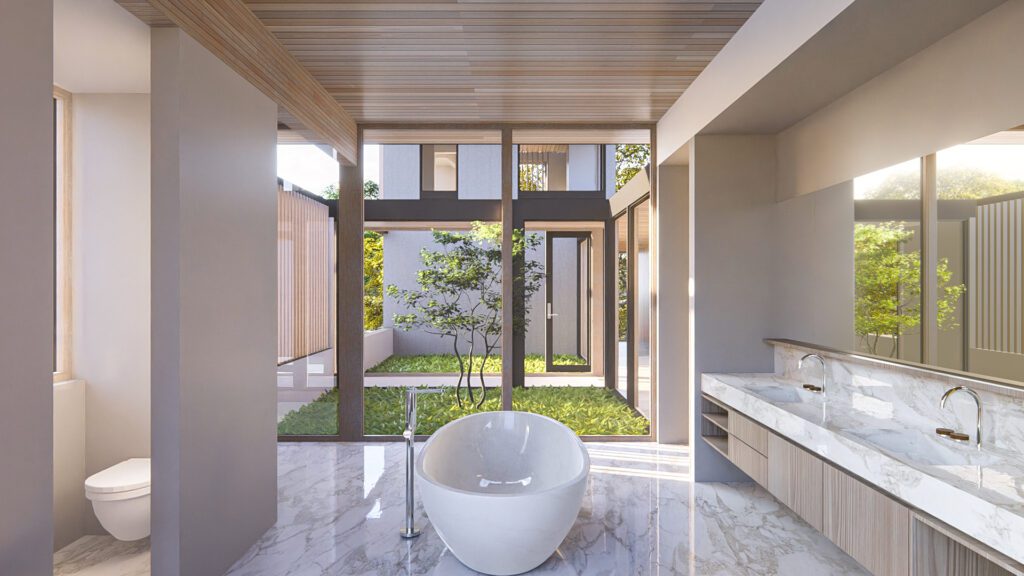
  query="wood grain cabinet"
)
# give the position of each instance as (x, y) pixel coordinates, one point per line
(869, 526)
(941, 550)
(746, 458)
(795, 479)
(750, 432)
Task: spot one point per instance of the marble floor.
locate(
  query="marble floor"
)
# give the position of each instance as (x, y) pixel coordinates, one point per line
(102, 556)
(341, 505)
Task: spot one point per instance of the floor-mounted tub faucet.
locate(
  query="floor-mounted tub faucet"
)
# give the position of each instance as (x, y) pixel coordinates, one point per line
(810, 387)
(977, 401)
(410, 530)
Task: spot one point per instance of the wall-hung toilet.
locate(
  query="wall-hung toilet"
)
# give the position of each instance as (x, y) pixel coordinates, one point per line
(120, 498)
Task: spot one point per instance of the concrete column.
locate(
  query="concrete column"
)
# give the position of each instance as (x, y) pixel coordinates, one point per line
(214, 310)
(26, 283)
(350, 298)
(512, 344)
(674, 312)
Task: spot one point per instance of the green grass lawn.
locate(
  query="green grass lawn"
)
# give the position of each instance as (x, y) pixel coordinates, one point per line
(596, 411)
(448, 363)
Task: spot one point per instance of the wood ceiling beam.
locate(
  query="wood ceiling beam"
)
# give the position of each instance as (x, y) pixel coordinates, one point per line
(229, 30)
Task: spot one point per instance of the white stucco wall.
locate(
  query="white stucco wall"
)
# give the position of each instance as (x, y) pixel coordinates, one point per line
(214, 311)
(26, 308)
(399, 172)
(479, 172)
(913, 109)
(111, 275)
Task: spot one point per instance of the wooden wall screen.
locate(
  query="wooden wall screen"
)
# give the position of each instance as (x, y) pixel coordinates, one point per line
(998, 301)
(304, 259)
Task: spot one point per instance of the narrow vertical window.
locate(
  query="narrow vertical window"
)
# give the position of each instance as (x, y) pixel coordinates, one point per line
(62, 240)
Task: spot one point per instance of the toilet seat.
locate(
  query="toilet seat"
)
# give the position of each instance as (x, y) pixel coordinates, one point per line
(128, 479)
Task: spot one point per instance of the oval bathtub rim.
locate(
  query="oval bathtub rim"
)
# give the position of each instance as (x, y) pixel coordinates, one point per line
(582, 475)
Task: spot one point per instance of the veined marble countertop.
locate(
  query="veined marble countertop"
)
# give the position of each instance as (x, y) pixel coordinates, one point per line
(981, 493)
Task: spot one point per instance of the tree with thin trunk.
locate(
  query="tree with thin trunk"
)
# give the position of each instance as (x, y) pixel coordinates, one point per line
(887, 284)
(459, 296)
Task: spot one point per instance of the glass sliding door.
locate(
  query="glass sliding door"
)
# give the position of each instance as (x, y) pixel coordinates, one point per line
(567, 308)
(623, 350)
(641, 239)
(307, 392)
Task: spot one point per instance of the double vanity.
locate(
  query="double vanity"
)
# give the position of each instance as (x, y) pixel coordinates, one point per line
(869, 453)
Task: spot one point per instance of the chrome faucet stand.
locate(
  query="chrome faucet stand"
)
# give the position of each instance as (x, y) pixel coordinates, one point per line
(410, 530)
(977, 401)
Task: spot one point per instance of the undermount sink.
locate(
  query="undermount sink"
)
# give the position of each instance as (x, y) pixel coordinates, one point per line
(780, 394)
(917, 447)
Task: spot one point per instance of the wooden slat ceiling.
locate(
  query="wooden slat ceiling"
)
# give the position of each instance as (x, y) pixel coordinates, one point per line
(492, 61)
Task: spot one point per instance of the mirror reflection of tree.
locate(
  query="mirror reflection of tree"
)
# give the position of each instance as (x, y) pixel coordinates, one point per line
(887, 282)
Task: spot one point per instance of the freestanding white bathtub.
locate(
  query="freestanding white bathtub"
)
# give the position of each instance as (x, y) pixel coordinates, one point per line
(502, 489)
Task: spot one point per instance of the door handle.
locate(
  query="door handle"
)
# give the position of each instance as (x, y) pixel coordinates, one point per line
(550, 313)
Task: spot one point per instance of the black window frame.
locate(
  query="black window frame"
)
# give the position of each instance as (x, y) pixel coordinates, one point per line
(426, 194)
(601, 192)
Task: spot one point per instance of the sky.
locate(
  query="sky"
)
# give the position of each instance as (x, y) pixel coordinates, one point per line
(311, 168)
(1006, 160)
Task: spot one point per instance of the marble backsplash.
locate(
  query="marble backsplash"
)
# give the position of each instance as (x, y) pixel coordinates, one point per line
(911, 394)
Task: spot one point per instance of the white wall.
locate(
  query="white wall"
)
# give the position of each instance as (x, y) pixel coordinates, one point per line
(479, 172)
(70, 506)
(214, 310)
(26, 308)
(732, 182)
(98, 47)
(813, 272)
(378, 346)
(914, 108)
(769, 36)
(110, 275)
(399, 172)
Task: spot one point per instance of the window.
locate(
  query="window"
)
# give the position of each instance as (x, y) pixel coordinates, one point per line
(62, 240)
(439, 170)
(561, 168)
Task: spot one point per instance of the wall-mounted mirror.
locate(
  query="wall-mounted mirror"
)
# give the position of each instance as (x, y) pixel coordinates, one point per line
(939, 258)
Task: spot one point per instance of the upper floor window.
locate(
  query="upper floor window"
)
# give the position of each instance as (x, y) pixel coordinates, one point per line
(439, 170)
(561, 167)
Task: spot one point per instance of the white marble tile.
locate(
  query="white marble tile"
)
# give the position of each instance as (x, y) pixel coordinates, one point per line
(341, 507)
(102, 556)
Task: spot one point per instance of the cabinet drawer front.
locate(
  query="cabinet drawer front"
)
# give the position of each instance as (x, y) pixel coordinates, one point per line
(868, 525)
(752, 433)
(752, 462)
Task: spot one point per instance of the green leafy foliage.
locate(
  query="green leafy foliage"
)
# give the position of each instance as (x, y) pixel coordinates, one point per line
(622, 304)
(887, 280)
(587, 411)
(630, 159)
(371, 191)
(953, 183)
(459, 296)
(373, 262)
(533, 177)
(316, 418)
(448, 364)
(373, 280)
